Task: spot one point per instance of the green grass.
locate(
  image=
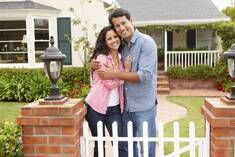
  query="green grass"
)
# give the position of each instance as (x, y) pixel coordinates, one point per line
(9, 110)
(193, 106)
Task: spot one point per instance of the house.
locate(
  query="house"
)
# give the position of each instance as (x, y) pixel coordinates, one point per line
(25, 28)
(179, 12)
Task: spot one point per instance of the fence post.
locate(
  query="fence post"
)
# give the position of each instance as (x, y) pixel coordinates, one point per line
(220, 113)
(52, 128)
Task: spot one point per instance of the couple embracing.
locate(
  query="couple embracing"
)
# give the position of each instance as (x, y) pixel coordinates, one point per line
(124, 81)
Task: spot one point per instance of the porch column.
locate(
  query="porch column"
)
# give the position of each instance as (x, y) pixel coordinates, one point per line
(30, 40)
(52, 128)
(220, 113)
(165, 51)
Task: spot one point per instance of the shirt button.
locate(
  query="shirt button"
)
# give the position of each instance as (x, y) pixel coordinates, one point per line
(126, 88)
(127, 98)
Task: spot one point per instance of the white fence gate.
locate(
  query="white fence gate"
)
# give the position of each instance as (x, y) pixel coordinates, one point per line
(197, 147)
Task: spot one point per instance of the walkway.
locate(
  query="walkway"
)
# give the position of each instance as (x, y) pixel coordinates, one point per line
(168, 111)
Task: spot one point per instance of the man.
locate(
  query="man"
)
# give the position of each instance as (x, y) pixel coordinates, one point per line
(140, 83)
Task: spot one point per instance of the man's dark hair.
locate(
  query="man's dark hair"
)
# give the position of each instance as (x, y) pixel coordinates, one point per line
(119, 13)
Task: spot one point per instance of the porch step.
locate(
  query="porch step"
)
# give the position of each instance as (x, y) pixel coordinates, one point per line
(163, 91)
(162, 83)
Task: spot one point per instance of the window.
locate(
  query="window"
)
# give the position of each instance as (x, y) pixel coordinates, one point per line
(205, 39)
(41, 41)
(13, 44)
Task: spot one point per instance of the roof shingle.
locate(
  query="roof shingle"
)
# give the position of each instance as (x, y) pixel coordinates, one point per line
(172, 10)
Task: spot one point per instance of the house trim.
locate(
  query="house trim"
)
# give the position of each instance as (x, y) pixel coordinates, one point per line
(179, 22)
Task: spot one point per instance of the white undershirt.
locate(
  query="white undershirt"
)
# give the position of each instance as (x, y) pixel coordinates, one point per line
(114, 97)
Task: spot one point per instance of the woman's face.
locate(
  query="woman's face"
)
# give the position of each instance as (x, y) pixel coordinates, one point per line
(112, 40)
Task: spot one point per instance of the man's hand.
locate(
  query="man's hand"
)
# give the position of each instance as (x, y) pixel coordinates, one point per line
(106, 74)
(95, 65)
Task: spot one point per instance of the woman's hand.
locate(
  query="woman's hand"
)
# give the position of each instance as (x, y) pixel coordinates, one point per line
(127, 63)
(95, 65)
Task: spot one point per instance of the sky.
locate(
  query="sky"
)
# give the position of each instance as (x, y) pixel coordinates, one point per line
(221, 4)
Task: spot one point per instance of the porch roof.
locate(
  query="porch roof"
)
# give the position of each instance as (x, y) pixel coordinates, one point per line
(16, 5)
(179, 12)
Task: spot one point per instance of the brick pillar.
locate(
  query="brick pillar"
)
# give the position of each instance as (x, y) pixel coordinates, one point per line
(52, 128)
(220, 113)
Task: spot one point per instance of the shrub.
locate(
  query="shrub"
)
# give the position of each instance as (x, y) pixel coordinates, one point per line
(219, 74)
(26, 85)
(10, 140)
(193, 72)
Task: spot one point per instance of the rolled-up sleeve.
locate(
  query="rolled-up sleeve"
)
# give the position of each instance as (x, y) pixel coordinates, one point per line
(147, 60)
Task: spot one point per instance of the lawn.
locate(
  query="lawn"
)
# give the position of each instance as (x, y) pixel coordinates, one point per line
(193, 106)
(9, 110)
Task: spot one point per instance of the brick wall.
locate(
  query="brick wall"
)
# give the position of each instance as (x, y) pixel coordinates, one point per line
(52, 130)
(221, 117)
(191, 84)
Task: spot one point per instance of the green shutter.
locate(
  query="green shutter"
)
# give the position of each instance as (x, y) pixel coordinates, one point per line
(64, 34)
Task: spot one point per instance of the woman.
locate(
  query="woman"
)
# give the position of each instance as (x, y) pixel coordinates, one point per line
(105, 101)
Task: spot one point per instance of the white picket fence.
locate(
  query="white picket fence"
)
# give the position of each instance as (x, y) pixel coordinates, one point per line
(197, 147)
(191, 58)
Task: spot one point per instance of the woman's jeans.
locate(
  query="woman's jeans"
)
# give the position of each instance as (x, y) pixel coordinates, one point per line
(112, 114)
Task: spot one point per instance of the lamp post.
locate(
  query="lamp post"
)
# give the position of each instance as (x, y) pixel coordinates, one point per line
(230, 55)
(53, 64)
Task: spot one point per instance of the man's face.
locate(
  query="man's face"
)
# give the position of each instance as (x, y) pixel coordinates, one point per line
(123, 27)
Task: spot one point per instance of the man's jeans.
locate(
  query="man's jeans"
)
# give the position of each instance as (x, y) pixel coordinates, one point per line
(137, 119)
(112, 114)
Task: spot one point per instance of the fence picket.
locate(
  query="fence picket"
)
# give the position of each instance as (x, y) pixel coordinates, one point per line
(201, 142)
(115, 140)
(161, 139)
(145, 141)
(130, 138)
(192, 139)
(85, 135)
(100, 139)
(176, 139)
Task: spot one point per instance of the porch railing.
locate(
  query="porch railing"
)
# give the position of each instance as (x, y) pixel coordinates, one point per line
(191, 58)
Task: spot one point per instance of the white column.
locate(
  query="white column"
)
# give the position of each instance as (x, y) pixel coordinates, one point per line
(30, 40)
(165, 53)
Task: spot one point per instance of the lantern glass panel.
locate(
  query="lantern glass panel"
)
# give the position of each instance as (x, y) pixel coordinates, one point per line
(231, 68)
(55, 67)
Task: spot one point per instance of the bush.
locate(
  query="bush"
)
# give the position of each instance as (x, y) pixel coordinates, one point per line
(219, 74)
(26, 85)
(10, 140)
(203, 72)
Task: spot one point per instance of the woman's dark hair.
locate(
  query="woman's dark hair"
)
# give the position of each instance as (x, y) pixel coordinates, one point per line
(119, 13)
(100, 45)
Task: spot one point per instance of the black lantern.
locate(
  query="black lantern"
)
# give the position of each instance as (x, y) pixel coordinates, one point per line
(230, 55)
(53, 64)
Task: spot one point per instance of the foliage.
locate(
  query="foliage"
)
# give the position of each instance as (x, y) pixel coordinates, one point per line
(222, 79)
(203, 72)
(219, 74)
(10, 140)
(230, 11)
(79, 90)
(26, 85)
(226, 30)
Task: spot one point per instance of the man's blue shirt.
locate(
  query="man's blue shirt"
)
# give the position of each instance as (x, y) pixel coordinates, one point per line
(141, 96)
